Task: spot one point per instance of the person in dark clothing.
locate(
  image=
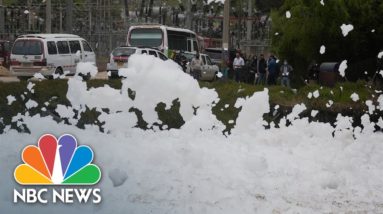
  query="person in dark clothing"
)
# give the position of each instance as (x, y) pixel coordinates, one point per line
(273, 73)
(313, 71)
(261, 69)
(253, 69)
(378, 76)
(286, 70)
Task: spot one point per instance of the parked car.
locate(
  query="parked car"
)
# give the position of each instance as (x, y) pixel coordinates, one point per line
(120, 56)
(215, 55)
(5, 53)
(49, 54)
(209, 69)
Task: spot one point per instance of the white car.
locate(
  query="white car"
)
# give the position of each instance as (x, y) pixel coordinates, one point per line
(49, 54)
(209, 69)
(119, 58)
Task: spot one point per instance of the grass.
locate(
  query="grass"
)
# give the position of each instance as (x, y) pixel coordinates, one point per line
(229, 92)
(48, 94)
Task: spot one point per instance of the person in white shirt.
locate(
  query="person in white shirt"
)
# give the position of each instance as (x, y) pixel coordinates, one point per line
(238, 64)
(196, 67)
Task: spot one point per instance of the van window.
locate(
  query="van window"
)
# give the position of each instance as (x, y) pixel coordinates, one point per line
(27, 47)
(163, 57)
(63, 47)
(52, 48)
(74, 46)
(86, 46)
(203, 60)
(153, 53)
(144, 52)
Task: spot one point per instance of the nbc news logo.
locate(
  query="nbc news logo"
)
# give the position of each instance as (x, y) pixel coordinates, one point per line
(57, 163)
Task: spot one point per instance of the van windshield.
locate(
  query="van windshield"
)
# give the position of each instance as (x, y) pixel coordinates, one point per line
(123, 51)
(27, 47)
(149, 37)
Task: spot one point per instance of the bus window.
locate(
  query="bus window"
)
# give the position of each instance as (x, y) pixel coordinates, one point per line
(177, 40)
(189, 46)
(146, 37)
(195, 46)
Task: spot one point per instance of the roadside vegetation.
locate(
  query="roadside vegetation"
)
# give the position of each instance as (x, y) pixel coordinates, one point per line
(49, 94)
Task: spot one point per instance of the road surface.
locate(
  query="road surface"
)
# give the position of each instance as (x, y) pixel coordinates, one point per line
(5, 76)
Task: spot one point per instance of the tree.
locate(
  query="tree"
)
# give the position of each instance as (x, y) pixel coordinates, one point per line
(312, 25)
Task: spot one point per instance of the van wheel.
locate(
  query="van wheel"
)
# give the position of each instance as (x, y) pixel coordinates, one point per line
(23, 78)
(59, 71)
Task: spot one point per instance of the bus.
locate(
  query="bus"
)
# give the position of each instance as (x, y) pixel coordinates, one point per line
(164, 38)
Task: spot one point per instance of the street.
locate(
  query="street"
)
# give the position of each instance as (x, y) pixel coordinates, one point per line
(5, 76)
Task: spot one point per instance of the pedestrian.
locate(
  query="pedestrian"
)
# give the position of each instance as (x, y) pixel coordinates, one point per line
(253, 68)
(261, 69)
(238, 65)
(286, 70)
(226, 70)
(272, 69)
(312, 71)
(196, 67)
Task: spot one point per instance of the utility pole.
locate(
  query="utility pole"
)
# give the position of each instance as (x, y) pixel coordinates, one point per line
(249, 24)
(48, 18)
(226, 25)
(29, 5)
(110, 25)
(61, 19)
(69, 16)
(90, 20)
(188, 15)
(126, 8)
(142, 7)
(150, 8)
(126, 11)
(1, 17)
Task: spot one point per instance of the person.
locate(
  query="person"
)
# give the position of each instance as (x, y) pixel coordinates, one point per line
(253, 68)
(226, 70)
(196, 67)
(261, 68)
(313, 71)
(272, 68)
(286, 70)
(238, 64)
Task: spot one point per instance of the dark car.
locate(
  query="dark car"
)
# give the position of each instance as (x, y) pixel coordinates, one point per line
(5, 53)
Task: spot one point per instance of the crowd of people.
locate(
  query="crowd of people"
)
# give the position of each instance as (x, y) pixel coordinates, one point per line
(258, 70)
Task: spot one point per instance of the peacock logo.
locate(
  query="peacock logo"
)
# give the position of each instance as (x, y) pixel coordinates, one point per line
(57, 162)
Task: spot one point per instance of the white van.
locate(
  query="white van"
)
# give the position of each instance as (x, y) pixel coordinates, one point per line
(49, 54)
